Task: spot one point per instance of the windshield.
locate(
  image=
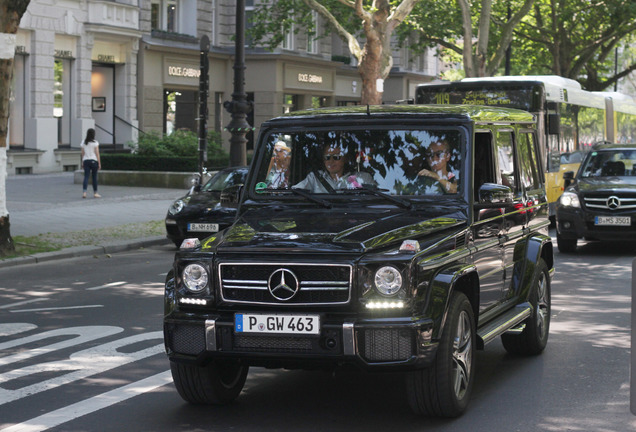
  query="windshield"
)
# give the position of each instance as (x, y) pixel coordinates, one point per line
(608, 163)
(397, 162)
(224, 179)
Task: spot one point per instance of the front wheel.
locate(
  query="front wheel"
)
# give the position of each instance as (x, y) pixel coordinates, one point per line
(444, 389)
(534, 337)
(217, 383)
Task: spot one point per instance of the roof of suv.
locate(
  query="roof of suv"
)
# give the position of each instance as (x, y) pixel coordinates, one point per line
(605, 145)
(474, 112)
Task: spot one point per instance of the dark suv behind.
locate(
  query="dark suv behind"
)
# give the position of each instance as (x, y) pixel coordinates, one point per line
(393, 238)
(599, 202)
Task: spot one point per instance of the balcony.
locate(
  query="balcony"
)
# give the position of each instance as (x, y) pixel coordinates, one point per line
(112, 17)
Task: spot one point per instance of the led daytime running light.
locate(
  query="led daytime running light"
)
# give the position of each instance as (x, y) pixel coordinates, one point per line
(193, 301)
(385, 305)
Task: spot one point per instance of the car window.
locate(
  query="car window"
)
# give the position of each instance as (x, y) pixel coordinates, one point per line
(398, 162)
(608, 163)
(529, 173)
(505, 158)
(224, 179)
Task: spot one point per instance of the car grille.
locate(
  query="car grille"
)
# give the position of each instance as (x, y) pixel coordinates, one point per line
(610, 202)
(298, 284)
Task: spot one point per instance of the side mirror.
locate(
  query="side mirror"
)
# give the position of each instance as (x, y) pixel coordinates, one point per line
(568, 178)
(231, 196)
(554, 123)
(492, 193)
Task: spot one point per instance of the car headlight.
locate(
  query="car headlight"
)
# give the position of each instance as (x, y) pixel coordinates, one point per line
(176, 207)
(195, 277)
(570, 199)
(388, 280)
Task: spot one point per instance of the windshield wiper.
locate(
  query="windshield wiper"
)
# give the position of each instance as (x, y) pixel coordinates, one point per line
(375, 191)
(306, 194)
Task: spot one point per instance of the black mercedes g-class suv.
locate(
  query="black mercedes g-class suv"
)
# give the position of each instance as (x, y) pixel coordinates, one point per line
(599, 202)
(393, 238)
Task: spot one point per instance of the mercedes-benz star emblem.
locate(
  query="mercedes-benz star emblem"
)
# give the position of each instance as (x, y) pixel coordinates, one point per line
(283, 284)
(613, 202)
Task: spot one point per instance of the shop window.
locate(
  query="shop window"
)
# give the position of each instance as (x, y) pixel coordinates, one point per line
(61, 100)
(181, 110)
(17, 103)
(290, 103)
(318, 101)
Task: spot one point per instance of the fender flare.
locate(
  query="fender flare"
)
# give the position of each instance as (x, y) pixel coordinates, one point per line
(532, 249)
(442, 286)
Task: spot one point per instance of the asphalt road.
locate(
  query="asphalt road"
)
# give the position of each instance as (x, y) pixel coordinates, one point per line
(81, 350)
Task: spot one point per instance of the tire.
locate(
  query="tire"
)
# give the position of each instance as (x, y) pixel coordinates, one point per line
(218, 383)
(534, 338)
(566, 245)
(444, 389)
(177, 242)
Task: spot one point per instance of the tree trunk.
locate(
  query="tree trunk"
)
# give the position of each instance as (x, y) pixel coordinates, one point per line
(11, 12)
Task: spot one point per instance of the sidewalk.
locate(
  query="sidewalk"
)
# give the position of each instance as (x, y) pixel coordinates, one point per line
(52, 203)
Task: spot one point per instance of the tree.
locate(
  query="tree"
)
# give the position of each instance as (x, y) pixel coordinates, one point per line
(11, 12)
(579, 38)
(453, 26)
(373, 20)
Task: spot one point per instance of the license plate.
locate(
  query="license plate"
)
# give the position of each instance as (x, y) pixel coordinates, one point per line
(277, 324)
(205, 227)
(613, 220)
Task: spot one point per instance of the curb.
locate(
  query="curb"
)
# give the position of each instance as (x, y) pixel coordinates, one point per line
(82, 251)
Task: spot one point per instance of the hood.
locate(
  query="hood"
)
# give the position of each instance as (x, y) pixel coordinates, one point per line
(334, 230)
(606, 184)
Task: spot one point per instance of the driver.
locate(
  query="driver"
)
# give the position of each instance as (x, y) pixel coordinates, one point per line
(334, 174)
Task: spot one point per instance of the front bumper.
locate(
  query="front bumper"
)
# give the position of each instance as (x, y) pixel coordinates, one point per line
(575, 223)
(382, 343)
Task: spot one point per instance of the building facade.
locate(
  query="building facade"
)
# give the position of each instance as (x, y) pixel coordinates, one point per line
(126, 66)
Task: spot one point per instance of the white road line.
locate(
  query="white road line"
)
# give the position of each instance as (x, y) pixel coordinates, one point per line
(88, 406)
(57, 308)
(110, 285)
(20, 303)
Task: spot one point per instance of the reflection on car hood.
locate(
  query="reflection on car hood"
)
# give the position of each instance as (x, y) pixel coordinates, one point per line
(333, 230)
(601, 184)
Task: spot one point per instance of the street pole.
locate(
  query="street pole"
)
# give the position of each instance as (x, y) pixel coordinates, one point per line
(239, 106)
(204, 86)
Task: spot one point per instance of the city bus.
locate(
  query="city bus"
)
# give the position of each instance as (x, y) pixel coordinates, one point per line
(570, 120)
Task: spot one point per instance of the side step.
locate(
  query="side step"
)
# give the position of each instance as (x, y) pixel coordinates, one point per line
(502, 324)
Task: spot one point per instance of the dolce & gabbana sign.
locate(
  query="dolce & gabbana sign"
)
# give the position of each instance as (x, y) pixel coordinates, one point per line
(309, 78)
(177, 71)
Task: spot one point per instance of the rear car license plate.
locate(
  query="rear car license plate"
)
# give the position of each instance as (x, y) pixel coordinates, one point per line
(613, 220)
(203, 227)
(277, 324)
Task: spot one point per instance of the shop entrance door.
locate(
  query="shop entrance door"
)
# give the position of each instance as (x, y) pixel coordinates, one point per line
(181, 110)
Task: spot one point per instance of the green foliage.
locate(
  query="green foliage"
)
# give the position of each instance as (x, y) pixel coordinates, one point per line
(177, 152)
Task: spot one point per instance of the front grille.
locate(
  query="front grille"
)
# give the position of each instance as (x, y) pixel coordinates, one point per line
(298, 284)
(272, 344)
(623, 202)
(384, 345)
(187, 339)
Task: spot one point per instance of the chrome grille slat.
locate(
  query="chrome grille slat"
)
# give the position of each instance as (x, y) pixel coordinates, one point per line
(318, 284)
(601, 202)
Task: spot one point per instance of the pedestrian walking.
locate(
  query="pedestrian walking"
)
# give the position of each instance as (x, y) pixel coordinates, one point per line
(90, 161)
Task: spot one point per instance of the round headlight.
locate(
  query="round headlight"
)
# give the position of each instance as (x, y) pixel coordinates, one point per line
(176, 207)
(388, 280)
(195, 277)
(570, 199)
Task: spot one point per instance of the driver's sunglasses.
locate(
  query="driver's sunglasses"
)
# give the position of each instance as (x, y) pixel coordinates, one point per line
(437, 154)
(334, 157)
